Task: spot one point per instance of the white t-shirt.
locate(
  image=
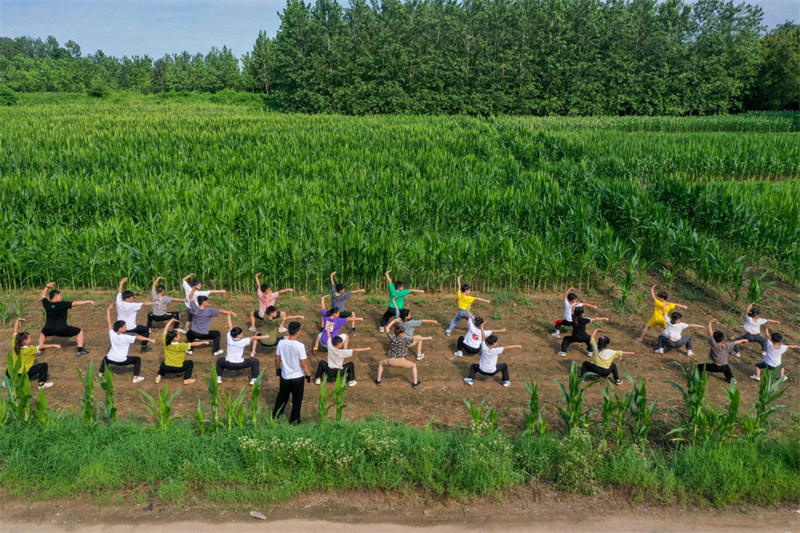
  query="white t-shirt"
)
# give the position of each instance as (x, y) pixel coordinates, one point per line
(753, 327)
(236, 349)
(675, 331)
(120, 343)
(291, 353)
(336, 356)
(188, 290)
(773, 357)
(126, 311)
(488, 362)
(568, 310)
(473, 336)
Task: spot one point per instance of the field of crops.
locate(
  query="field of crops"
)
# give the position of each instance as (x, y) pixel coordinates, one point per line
(92, 191)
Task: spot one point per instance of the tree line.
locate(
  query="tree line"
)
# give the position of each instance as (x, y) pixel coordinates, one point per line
(642, 57)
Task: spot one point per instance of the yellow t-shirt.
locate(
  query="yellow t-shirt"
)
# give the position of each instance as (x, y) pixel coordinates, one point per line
(26, 353)
(658, 313)
(464, 301)
(175, 353)
(604, 358)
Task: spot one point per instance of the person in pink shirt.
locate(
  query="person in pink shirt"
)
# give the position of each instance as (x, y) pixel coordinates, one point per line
(266, 298)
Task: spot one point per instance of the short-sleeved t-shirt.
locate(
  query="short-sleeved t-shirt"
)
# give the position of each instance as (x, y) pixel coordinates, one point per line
(126, 311)
(753, 327)
(175, 353)
(720, 351)
(236, 349)
(488, 362)
(291, 353)
(579, 326)
(603, 358)
(56, 313)
(188, 290)
(336, 356)
(265, 300)
(567, 310)
(160, 307)
(27, 354)
(465, 301)
(774, 355)
(398, 346)
(397, 296)
(201, 318)
(410, 326)
(473, 336)
(339, 301)
(674, 332)
(120, 343)
(331, 327)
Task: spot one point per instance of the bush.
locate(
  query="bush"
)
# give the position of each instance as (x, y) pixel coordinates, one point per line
(7, 96)
(97, 90)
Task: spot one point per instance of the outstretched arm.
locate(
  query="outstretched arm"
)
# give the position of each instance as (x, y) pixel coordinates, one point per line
(388, 277)
(148, 339)
(458, 283)
(680, 306)
(357, 291)
(333, 278)
(571, 289)
(230, 322)
(122, 283)
(109, 323)
(155, 282)
(593, 337)
(484, 300)
(16, 324)
(417, 291)
(47, 289)
(187, 276)
(389, 326)
(773, 321)
(711, 327)
(83, 302)
(653, 292)
(258, 280)
(749, 307)
(226, 312)
(322, 302)
(695, 325)
(590, 306)
(430, 321)
(361, 349)
(285, 290)
(48, 346)
(600, 319)
(169, 323)
(512, 347)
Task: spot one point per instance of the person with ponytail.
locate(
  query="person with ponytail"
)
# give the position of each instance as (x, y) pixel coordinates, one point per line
(24, 356)
(234, 359)
(752, 328)
(175, 354)
(603, 358)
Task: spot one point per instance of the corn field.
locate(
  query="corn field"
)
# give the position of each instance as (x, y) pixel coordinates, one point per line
(94, 191)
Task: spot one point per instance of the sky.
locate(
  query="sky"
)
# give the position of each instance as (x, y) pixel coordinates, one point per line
(158, 27)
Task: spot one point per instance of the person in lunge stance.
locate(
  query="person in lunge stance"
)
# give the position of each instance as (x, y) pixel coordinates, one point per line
(465, 299)
(471, 342)
(175, 361)
(201, 321)
(234, 359)
(775, 350)
(266, 299)
(332, 323)
(274, 326)
(404, 318)
(488, 365)
(603, 358)
(661, 309)
(120, 343)
(673, 337)
(55, 309)
(398, 350)
(338, 351)
(339, 297)
(720, 351)
(397, 299)
(127, 310)
(579, 323)
(159, 313)
(189, 283)
(571, 302)
(752, 328)
(292, 367)
(24, 354)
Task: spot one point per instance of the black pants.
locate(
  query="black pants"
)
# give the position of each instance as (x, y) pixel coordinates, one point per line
(212, 335)
(251, 363)
(476, 369)
(711, 367)
(38, 371)
(562, 322)
(569, 339)
(144, 331)
(161, 318)
(131, 360)
(295, 388)
(467, 349)
(388, 316)
(348, 368)
(752, 338)
(186, 368)
(600, 371)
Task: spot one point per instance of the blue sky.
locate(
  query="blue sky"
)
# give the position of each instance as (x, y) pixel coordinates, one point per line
(157, 27)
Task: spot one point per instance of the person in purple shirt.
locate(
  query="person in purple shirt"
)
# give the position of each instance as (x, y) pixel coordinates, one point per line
(332, 322)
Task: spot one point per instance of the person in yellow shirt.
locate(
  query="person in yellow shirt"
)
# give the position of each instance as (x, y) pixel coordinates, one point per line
(661, 308)
(175, 354)
(603, 358)
(24, 354)
(465, 300)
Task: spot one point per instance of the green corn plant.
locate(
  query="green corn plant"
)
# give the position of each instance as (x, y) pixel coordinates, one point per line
(213, 391)
(338, 392)
(770, 391)
(235, 410)
(255, 394)
(535, 424)
(572, 414)
(109, 407)
(4, 412)
(18, 390)
(483, 422)
(613, 410)
(200, 417)
(757, 288)
(160, 409)
(695, 419)
(4, 313)
(322, 402)
(42, 413)
(730, 421)
(641, 416)
(88, 412)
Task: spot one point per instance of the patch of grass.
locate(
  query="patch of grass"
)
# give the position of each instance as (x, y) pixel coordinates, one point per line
(375, 299)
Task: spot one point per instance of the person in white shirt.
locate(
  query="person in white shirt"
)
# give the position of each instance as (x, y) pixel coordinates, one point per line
(571, 302)
(488, 365)
(234, 360)
(471, 342)
(752, 327)
(338, 351)
(187, 289)
(127, 310)
(120, 343)
(291, 366)
(773, 354)
(673, 337)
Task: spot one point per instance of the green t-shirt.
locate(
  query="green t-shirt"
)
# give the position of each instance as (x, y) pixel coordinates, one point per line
(397, 296)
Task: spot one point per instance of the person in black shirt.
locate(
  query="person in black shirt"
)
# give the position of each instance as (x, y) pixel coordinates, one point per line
(55, 325)
(579, 323)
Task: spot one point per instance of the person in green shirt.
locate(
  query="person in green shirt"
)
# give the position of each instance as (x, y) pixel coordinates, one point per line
(397, 296)
(175, 354)
(24, 354)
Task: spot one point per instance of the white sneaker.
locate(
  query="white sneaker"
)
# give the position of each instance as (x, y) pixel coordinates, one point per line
(755, 378)
(251, 329)
(420, 356)
(381, 329)
(352, 383)
(737, 354)
(137, 379)
(318, 381)
(459, 353)
(689, 353)
(219, 380)
(219, 352)
(556, 334)
(659, 350)
(468, 381)
(589, 354)
(158, 379)
(188, 352)
(252, 382)
(763, 354)
(45, 385)
(562, 354)
(506, 384)
(282, 330)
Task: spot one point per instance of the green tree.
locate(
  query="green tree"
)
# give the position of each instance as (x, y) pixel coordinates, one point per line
(778, 81)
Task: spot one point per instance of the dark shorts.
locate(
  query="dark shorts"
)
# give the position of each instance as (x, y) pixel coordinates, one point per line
(763, 364)
(255, 314)
(61, 331)
(345, 314)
